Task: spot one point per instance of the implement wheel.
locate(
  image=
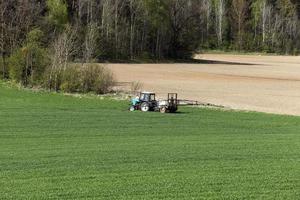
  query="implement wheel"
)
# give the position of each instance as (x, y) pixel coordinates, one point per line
(163, 110)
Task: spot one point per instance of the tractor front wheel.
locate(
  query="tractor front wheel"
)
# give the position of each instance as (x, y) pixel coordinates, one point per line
(145, 107)
(132, 108)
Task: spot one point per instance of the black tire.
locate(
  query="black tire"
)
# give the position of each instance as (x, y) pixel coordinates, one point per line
(145, 107)
(173, 110)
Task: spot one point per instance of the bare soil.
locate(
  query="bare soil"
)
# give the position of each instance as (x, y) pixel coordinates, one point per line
(245, 82)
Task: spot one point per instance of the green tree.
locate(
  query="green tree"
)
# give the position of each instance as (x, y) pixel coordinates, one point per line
(57, 13)
(27, 64)
(156, 15)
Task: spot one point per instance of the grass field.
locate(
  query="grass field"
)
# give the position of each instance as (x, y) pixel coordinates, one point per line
(61, 147)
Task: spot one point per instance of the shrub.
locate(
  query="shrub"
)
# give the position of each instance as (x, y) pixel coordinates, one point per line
(104, 80)
(96, 79)
(86, 78)
(70, 80)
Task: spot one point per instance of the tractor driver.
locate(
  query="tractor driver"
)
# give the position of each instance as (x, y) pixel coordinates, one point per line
(135, 100)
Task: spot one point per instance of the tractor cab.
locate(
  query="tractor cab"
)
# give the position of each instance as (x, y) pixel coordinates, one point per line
(147, 97)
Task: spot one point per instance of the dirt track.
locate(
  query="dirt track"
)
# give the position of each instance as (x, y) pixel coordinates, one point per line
(255, 83)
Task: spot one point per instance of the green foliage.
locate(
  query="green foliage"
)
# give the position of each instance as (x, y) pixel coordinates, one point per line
(27, 64)
(156, 12)
(157, 29)
(17, 63)
(256, 8)
(60, 147)
(3, 68)
(34, 37)
(57, 13)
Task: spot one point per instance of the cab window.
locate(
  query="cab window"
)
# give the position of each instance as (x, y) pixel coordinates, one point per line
(145, 97)
(152, 97)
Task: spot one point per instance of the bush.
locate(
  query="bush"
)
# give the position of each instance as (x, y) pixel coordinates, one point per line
(87, 78)
(70, 80)
(95, 78)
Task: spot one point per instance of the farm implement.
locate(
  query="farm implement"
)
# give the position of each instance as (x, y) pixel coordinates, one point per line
(146, 102)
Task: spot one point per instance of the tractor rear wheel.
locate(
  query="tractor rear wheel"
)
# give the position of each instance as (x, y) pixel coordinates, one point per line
(145, 107)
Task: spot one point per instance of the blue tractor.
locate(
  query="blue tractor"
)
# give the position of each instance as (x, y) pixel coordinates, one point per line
(145, 102)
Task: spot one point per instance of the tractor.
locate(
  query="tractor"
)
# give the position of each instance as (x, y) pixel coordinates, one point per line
(147, 102)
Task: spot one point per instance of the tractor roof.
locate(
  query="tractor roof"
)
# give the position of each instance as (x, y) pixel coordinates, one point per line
(147, 92)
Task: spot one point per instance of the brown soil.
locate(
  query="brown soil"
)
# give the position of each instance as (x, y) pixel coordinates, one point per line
(256, 83)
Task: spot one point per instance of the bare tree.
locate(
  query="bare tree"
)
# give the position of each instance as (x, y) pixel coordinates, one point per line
(219, 12)
(117, 8)
(206, 6)
(90, 42)
(239, 10)
(63, 47)
(266, 10)
(3, 9)
(135, 12)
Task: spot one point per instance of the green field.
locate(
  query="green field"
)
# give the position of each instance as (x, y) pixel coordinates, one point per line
(61, 147)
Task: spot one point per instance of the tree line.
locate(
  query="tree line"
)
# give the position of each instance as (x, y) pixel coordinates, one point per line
(39, 37)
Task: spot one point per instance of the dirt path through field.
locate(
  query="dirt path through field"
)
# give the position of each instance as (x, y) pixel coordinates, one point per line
(255, 83)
